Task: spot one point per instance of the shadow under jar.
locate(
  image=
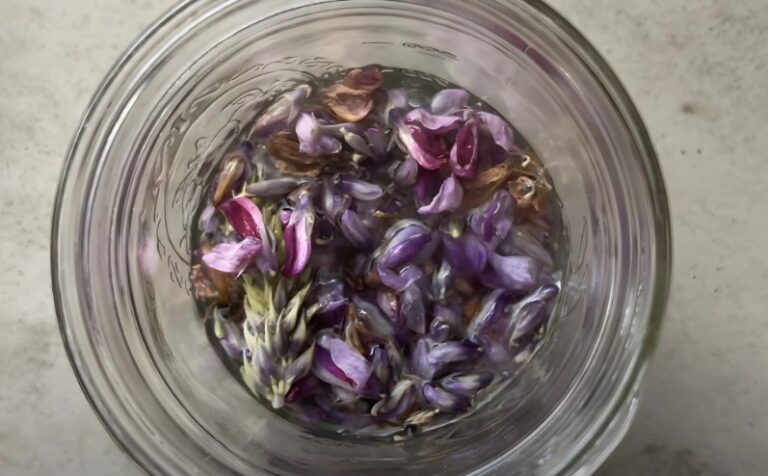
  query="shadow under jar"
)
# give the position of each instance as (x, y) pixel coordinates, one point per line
(148, 149)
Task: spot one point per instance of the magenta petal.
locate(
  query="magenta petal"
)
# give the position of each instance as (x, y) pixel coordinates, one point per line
(356, 368)
(426, 149)
(245, 217)
(298, 237)
(312, 140)
(449, 101)
(517, 273)
(448, 198)
(463, 159)
(326, 370)
(233, 257)
(499, 130)
(433, 123)
(281, 114)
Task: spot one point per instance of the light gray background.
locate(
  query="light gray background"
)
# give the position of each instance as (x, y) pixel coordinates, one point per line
(697, 70)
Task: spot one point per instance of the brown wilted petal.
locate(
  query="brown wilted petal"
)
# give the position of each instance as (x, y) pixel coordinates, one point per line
(210, 284)
(284, 148)
(231, 173)
(367, 78)
(347, 104)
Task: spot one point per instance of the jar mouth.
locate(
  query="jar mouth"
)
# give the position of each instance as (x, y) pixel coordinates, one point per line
(77, 272)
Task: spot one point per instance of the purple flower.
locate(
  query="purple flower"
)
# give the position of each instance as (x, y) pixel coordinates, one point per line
(516, 273)
(448, 198)
(427, 149)
(301, 389)
(530, 313)
(396, 99)
(449, 101)
(312, 140)
(493, 220)
(355, 231)
(333, 203)
(491, 309)
(433, 123)
(281, 114)
(378, 140)
(445, 401)
(233, 257)
(439, 331)
(298, 236)
(245, 217)
(466, 384)
(451, 316)
(499, 130)
(405, 240)
(427, 185)
(442, 281)
(463, 159)
(411, 309)
(475, 251)
(380, 363)
(336, 362)
(452, 352)
(406, 173)
(400, 281)
(328, 296)
(360, 190)
(396, 403)
(374, 321)
(523, 242)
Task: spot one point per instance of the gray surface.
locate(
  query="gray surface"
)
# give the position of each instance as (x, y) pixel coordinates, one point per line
(698, 73)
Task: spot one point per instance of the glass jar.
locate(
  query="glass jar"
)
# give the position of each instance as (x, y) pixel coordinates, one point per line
(148, 147)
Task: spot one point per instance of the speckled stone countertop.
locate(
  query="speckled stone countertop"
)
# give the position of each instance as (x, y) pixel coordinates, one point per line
(698, 71)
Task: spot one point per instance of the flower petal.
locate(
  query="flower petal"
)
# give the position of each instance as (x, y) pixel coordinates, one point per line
(233, 257)
(529, 314)
(360, 190)
(491, 309)
(378, 140)
(448, 198)
(442, 281)
(400, 281)
(333, 203)
(347, 103)
(433, 123)
(449, 101)
(445, 401)
(301, 389)
(412, 310)
(312, 141)
(281, 114)
(466, 384)
(427, 149)
(475, 251)
(298, 237)
(439, 331)
(355, 367)
(463, 159)
(493, 220)
(406, 173)
(452, 352)
(273, 187)
(499, 130)
(355, 231)
(405, 244)
(230, 177)
(380, 363)
(517, 273)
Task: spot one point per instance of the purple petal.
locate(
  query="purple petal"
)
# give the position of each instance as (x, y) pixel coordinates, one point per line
(442, 281)
(272, 188)
(491, 309)
(426, 149)
(449, 198)
(427, 185)
(466, 384)
(419, 359)
(517, 273)
(301, 389)
(312, 141)
(475, 251)
(445, 401)
(453, 252)
(208, 222)
(452, 352)
(439, 331)
(463, 159)
(433, 123)
(530, 313)
(523, 242)
(499, 130)
(412, 309)
(449, 315)
(406, 173)
(333, 204)
(405, 244)
(233, 257)
(360, 190)
(328, 296)
(355, 231)
(380, 363)
(396, 99)
(281, 114)
(399, 400)
(398, 282)
(379, 141)
(355, 369)
(327, 371)
(373, 320)
(298, 237)
(493, 220)
(387, 302)
(449, 101)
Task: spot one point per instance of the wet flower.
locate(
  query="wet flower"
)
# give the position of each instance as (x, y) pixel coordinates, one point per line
(464, 152)
(517, 273)
(298, 236)
(445, 401)
(312, 140)
(429, 150)
(499, 130)
(466, 384)
(448, 198)
(233, 257)
(230, 176)
(337, 363)
(245, 217)
(281, 114)
(449, 101)
(529, 314)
